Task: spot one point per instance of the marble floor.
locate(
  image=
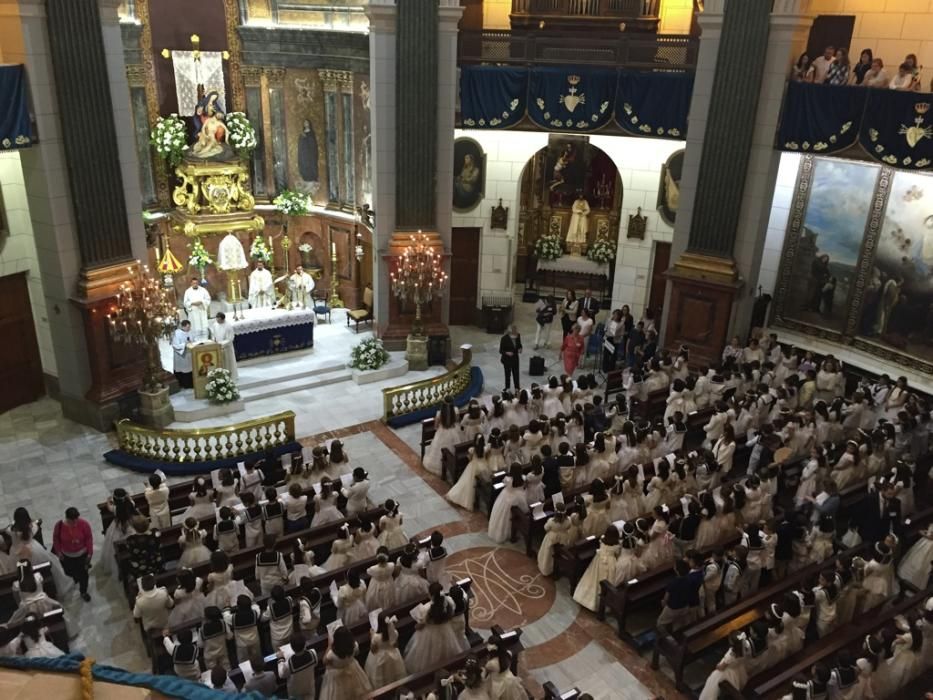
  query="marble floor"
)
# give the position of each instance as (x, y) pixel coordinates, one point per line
(48, 463)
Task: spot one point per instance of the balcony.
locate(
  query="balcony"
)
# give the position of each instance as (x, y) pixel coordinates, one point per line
(602, 16)
(637, 51)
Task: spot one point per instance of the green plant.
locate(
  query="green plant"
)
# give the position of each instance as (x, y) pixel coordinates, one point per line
(240, 134)
(602, 251)
(370, 354)
(292, 203)
(169, 138)
(258, 250)
(199, 258)
(220, 386)
(549, 247)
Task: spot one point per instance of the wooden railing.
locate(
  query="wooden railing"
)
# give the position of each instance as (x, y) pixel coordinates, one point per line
(411, 398)
(586, 8)
(207, 444)
(638, 51)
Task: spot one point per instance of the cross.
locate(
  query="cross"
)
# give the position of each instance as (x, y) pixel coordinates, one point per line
(196, 51)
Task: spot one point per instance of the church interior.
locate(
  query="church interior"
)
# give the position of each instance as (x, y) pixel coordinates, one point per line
(466, 349)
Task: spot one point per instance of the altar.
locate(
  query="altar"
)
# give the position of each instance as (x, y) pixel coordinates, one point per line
(270, 331)
(572, 272)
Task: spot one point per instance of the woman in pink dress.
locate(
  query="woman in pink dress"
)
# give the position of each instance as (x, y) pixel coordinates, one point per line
(571, 350)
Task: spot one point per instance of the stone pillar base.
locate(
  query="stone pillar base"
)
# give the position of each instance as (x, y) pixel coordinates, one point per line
(416, 352)
(155, 409)
(699, 313)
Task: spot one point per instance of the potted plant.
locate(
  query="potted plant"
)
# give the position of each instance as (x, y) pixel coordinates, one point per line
(169, 138)
(602, 251)
(200, 259)
(240, 135)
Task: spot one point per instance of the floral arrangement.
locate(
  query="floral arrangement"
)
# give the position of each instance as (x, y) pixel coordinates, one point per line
(549, 247)
(602, 251)
(291, 203)
(169, 138)
(258, 250)
(370, 354)
(220, 386)
(200, 258)
(305, 247)
(240, 134)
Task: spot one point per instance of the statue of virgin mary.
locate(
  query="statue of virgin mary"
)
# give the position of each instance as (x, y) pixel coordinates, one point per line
(210, 130)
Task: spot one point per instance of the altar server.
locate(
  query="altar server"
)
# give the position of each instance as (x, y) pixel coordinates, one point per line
(182, 355)
(197, 303)
(223, 334)
(261, 288)
(300, 286)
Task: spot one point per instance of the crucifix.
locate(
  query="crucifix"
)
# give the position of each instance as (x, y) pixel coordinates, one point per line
(193, 69)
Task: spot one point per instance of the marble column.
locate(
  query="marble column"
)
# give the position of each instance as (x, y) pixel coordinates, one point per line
(382, 59)
(84, 237)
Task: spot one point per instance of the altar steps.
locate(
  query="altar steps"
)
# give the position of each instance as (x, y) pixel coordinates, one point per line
(266, 388)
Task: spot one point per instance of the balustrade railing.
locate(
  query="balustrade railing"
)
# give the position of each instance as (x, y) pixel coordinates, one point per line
(586, 8)
(207, 444)
(410, 398)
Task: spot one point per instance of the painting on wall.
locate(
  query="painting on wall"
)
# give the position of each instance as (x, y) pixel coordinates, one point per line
(669, 187)
(897, 309)
(469, 174)
(822, 248)
(566, 168)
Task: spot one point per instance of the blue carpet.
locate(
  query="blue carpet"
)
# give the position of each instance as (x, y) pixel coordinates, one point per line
(474, 388)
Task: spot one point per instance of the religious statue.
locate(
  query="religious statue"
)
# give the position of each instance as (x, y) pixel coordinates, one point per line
(197, 301)
(261, 288)
(566, 157)
(211, 132)
(307, 158)
(300, 286)
(576, 234)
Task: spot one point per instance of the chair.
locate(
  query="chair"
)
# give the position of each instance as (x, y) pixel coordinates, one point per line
(363, 314)
(321, 309)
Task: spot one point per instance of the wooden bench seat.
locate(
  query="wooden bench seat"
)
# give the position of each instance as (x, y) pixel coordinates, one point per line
(8, 602)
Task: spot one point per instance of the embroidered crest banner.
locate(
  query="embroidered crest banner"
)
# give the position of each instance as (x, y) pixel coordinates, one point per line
(15, 128)
(492, 97)
(571, 99)
(821, 118)
(654, 104)
(897, 129)
(189, 73)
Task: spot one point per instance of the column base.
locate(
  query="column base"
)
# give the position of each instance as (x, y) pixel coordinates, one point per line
(700, 308)
(706, 266)
(155, 408)
(416, 352)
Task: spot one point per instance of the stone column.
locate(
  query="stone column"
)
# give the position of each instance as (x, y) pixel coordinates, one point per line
(84, 230)
(726, 113)
(382, 58)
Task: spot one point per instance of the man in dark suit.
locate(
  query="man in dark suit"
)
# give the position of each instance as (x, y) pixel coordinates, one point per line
(880, 513)
(510, 347)
(551, 477)
(590, 303)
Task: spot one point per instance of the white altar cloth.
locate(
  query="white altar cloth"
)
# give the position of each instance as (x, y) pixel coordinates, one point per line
(261, 319)
(575, 264)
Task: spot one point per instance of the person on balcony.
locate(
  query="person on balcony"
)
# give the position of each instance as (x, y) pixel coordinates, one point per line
(877, 76)
(838, 73)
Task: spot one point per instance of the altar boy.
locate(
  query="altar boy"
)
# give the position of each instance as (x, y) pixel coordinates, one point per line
(182, 355)
(223, 334)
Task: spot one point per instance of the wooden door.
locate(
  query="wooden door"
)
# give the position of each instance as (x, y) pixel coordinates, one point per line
(662, 261)
(20, 365)
(833, 30)
(464, 275)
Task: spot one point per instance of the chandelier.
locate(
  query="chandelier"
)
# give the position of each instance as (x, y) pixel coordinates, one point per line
(418, 276)
(141, 315)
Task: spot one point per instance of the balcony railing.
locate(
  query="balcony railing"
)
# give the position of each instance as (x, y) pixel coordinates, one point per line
(586, 8)
(640, 51)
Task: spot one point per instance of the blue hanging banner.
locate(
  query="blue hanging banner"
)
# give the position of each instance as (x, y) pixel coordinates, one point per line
(15, 129)
(654, 104)
(492, 97)
(571, 99)
(898, 129)
(821, 118)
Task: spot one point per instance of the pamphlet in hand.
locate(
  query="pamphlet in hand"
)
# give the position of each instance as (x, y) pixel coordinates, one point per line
(246, 667)
(374, 619)
(557, 498)
(332, 627)
(287, 652)
(537, 510)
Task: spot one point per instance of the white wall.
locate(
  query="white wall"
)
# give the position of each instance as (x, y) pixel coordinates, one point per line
(777, 221)
(18, 250)
(639, 161)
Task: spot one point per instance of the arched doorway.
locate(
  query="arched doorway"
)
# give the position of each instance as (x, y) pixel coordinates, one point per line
(550, 182)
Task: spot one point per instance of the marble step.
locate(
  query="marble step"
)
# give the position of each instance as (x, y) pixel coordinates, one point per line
(296, 382)
(255, 377)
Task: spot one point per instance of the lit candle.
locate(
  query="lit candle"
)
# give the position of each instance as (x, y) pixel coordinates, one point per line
(333, 249)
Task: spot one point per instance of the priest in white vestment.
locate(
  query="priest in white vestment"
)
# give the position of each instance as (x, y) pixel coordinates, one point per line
(197, 304)
(222, 333)
(261, 289)
(576, 234)
(182, 355)
(300, 286)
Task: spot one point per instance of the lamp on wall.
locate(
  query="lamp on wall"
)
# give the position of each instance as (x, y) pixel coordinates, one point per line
(358, 248)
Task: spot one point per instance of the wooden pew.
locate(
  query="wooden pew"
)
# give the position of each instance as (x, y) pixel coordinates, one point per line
(774, 682)
(8, 603)
(688, 644)
(423, 682)
(552, 693)
(54, 622)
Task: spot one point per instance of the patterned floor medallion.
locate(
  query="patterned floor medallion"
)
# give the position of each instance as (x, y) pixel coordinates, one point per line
(509, 591)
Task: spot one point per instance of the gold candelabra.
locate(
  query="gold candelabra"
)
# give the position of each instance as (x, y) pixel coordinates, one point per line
(142, 314)
(334, 302)
(418, 276)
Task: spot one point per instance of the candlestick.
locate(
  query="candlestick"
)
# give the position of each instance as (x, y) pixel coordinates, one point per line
(333, 249)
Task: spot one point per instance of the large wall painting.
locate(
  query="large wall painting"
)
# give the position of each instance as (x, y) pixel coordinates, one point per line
(857, 265)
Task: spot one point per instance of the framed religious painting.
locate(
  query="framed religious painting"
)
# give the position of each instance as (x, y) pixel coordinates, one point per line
(669, 187)
(205, 356)
(895, 320)
(469, 174)
(835, 213)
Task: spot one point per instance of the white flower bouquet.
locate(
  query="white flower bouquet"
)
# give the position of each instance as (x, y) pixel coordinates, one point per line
(370, 354)
(305, 247)
(258, 250)
(220, 386)
(549, 247)
(292, 203)
(602, 251)
(200, 258)
(169, 138)
(240, 134)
